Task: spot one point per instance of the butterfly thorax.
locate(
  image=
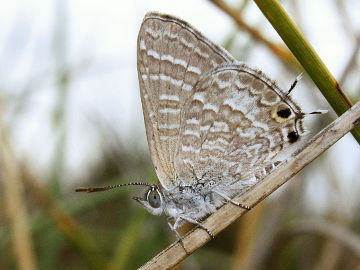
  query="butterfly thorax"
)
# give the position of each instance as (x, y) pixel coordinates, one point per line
(195, 201)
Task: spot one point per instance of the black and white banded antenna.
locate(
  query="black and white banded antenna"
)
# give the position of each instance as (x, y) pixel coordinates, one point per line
(97, 189)
(298, 78)
(313, 112)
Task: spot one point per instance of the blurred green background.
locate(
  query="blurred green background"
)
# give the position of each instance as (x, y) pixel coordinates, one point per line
(70, 115)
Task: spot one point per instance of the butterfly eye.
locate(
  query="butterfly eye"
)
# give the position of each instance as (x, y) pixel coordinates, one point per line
(154, 198)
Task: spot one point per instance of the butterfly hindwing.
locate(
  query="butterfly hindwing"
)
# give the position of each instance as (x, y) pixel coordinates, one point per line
(235, 124)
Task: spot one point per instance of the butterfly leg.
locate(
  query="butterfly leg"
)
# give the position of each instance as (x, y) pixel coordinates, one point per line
(227, 198)
(173, 228)
(193, 221)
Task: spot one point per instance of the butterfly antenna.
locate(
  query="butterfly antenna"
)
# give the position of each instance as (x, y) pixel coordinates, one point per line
(298, 78)
(314, 112)
(96, 189)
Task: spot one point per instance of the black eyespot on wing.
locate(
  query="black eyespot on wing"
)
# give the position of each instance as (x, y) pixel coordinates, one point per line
(292, 136)
(285, 113)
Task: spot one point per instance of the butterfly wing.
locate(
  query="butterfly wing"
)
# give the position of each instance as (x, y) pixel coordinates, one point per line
(171, 57)
(236, 122)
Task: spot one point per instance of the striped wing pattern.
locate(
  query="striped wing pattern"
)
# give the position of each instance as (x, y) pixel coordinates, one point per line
(206, 116)
(172, 57)
(236, 122)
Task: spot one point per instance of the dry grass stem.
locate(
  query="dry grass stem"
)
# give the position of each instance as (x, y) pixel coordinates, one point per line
(247, 238)
(287, 169)
(352, 62)
(278, 50)
(337, 232)
(14, 202)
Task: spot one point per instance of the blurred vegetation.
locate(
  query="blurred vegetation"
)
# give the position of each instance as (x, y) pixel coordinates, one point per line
(46, 226)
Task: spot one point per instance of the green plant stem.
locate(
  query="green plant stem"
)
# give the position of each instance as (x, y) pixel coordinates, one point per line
(65, 224)
(126, 247)
(307, 57)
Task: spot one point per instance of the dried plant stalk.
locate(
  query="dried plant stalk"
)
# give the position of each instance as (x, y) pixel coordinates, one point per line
(14, 202)
(287, 169)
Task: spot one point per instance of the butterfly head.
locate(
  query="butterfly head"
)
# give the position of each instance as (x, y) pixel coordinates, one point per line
(153, 200)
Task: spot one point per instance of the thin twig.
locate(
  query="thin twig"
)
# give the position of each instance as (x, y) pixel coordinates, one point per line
(345, 19)
(287, 169)
(275, 216)
(331, 252)
(328, 229)
(351, 64)
(279, 51)
(247, 238)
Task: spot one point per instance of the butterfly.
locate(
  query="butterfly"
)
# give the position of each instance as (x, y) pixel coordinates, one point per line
(214, 126)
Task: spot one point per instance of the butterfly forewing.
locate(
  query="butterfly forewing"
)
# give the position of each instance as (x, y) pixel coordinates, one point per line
(172, 56)
(236, 122)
